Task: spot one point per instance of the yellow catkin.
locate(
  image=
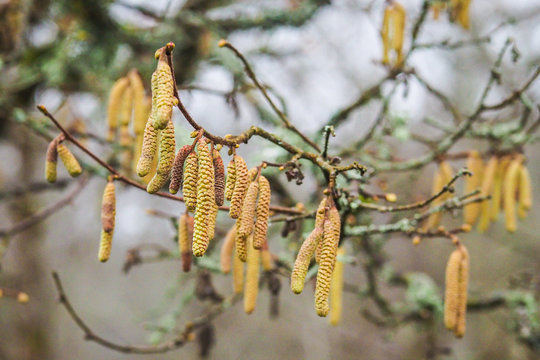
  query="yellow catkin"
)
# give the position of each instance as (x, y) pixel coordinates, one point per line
(124, 117)
(331, 234)
(247, 218)
(525, 192)
(70, 162)
(184, 242)
(393, 32)
(240, 244)
(266, 258)
(212, 220)
(231, 176)
(238, 275)
(460, 12)
(149, 149)
(336, 289)
(108, 214)
(139, 136)
(319, 222)
(303, 259)
(51, 160)
(442, 177)
(510, 187)
(496, 197)
(189, 188)
(385, 33)
(219, 176)
(227, 250)
(437, 8)
(262, 212)
(22, 298)
(167, 150)
(476, 166)
(205, 198)
(486, 189)
(139, 104)
(241, 184)
(455, 299)
(162, 93)
(447, 174)
(252, 277)
(115, 104)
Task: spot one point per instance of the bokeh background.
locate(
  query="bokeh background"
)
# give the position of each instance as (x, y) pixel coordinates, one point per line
(317, 56)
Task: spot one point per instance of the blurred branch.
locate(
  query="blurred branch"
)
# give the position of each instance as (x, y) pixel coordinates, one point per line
(35, 187)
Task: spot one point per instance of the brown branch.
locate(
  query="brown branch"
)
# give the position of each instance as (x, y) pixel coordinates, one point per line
(172, 344)
(45, 212)
(35, 188)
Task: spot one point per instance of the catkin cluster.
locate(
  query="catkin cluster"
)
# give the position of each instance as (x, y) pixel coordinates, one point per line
(108, 214)
(392, 33)
(323, 239)
(455, 299)
(167, 149)
(57, 149)
(442, 177)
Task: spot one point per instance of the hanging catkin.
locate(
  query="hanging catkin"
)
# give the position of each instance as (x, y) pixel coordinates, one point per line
(486, 189)
(184, 241)
(247, 218)
(303, 259)
(226, 252)
(525, 192)
(238, 275)
(336, 289)
(115, 104)
(149, 148)
(205, 197)
(240, 244)
(70, 162)
(124, 117)
(331, 234)
(162, 92)
(240, 186)
(476, 166)
(393, 32)
(496, 197)
(108, 214)
(319, 222)
(139, 105)
(139, 136)
(252, 277)
(212, 219)
(219, 175)
(262, 211)
(455, 299)
(189, 188)
(510, 187)
(167, 148)
(177, 173)
(51, 160)
(231, 178)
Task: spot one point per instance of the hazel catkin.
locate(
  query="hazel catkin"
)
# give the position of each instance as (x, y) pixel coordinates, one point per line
(167, 148)
(319, 222)
(331, 234)
(455, 299)
(219, 178)
(486, 189)
(149, 148)
(124, 116)
(303, 259)
(177, 172)
(252, 277)
(247, 217)
(240, 244)
(238, 275)
(510, 186)
(162, 93)
(189, 189)
(114, 107)
(184, 241)
(139, 104)
(205, 197)
(261, 212)
(476, 166)
(70, 161)
(336, 289)
(525, 192)
(51, 160)
(241, 184)
(108, 214)
(231, 178)
(226, 252)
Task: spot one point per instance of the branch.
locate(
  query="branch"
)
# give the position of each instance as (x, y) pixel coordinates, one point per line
(34, 188)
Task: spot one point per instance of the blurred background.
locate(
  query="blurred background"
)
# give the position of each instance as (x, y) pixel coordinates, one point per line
(316, 56)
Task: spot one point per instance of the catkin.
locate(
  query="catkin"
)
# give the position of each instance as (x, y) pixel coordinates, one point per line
(184, 242)
(124, 117)
(496, 197)
(162, 93)
(227, 250)
(51, 160)
(139, 105)
(108, 214)
(240, 244)
(486, 189)
(212, 219)
(303, 259)
(70, 162)
(115, 104)
(336, 289)
(231, 178)
(149, 148)
(262, 211)
(442, 177)
(476, 166)
(331, 234)
(219, 176)
(177, 172)
(167, 148)
(319, 222)
(240, 186)
(393, 32)
(252, 277)
(510, 186)
(190, 181)
(525, 192)
(455, 299)
(238, 275)
(205, 197)
(248, 210)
